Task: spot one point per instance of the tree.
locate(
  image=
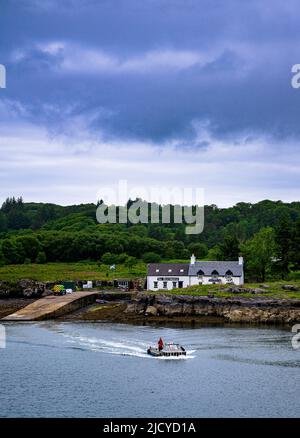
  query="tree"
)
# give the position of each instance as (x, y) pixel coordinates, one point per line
(214, 253)
(151, 257)
(130, 262)
(284, 241)
(17, 219)
(31, 246)
(198, 249)
(295, 251)
(229, 247)
(3, 222)
(260, 252)
(12, 251)
(41, 258)
(109, 258)
(2, 259)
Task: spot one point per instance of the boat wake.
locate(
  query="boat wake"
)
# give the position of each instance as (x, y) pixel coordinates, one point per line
(119, 347)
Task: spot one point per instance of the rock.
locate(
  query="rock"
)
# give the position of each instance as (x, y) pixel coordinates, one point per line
(131, 308)
(174, 309)
(264, 286)
(46, 293)
(151, 311)
(235, 290)
(163, 299)
(258, 291)
(289, 287)
(246, 309)
(26, 284)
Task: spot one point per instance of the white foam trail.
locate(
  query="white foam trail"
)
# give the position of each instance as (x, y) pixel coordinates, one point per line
(119, 347)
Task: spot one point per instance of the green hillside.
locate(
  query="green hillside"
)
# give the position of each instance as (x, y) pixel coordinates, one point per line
(267, 234)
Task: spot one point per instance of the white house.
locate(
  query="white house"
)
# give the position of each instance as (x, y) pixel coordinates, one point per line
(180, 275)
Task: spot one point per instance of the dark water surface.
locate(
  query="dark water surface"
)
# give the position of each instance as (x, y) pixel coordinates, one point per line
(54, 369)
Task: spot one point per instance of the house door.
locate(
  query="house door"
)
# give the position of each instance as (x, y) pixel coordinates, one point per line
(180, 284)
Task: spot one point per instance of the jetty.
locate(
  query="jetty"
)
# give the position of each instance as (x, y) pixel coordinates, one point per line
(53, 306)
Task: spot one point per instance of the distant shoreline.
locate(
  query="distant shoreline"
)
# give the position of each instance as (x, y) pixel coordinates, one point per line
(166, 309)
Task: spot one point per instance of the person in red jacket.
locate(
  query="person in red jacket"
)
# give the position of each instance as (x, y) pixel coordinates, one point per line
(160, 344)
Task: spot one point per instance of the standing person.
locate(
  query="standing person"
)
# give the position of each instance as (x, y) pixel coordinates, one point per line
(160, 344)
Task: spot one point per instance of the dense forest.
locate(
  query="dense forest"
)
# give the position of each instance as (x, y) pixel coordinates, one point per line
(267, 234)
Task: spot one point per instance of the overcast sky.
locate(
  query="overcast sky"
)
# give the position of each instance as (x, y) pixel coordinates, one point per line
(164, 93)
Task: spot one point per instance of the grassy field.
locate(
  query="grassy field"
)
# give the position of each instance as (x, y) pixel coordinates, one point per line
(69, 271)
(94, 271)
(274, 291)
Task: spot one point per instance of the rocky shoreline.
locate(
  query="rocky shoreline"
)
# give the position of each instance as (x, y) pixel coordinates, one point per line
(145, 307)
(11, 305)
(229, 309)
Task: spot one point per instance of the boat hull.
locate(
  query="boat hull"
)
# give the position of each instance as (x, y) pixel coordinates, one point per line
(166, 353)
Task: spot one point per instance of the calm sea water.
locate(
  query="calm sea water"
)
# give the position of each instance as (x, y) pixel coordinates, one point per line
(54, 369)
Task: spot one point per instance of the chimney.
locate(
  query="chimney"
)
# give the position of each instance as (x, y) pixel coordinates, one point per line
(241, 260)
(193, 259)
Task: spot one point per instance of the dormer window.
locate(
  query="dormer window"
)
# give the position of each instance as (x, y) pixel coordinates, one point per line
(215, 273)
(200, 273)
(229, 273)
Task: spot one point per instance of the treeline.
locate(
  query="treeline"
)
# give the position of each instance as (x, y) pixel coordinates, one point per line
(266, 233)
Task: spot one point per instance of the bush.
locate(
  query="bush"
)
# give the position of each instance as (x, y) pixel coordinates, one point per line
(122, 257)
(294, 275)
(41, 258)
(130, 262)
(151, 257)
(198, 249)
(109, 258)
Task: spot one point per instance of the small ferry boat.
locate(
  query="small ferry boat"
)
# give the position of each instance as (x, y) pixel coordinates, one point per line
(168, 350)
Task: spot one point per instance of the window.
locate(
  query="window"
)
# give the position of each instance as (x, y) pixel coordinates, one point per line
(181, 270)
(200, 273)
(174, 284)
(169, 270)
(215, 273)
(165, 284)
(229, 273)
(156, 270)
(123, 283)
(155, 284)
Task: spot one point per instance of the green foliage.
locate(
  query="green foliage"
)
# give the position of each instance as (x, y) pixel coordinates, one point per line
(109, 259)
(284, 241)
(214, 253)
(12, 251)
(260, 252)
(71, 234)
(151, 257)
(30, 245)
(41, 258)
(130, 262)
(200, 250)
(3, 222)
(229, 247)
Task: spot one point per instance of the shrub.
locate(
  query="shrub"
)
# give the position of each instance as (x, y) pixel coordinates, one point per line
(41, 258)
(151, 257)
(109, 258)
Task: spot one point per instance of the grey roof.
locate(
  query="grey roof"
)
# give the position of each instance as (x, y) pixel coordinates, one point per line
(165, 267)
(186, 269)
(219, 266)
